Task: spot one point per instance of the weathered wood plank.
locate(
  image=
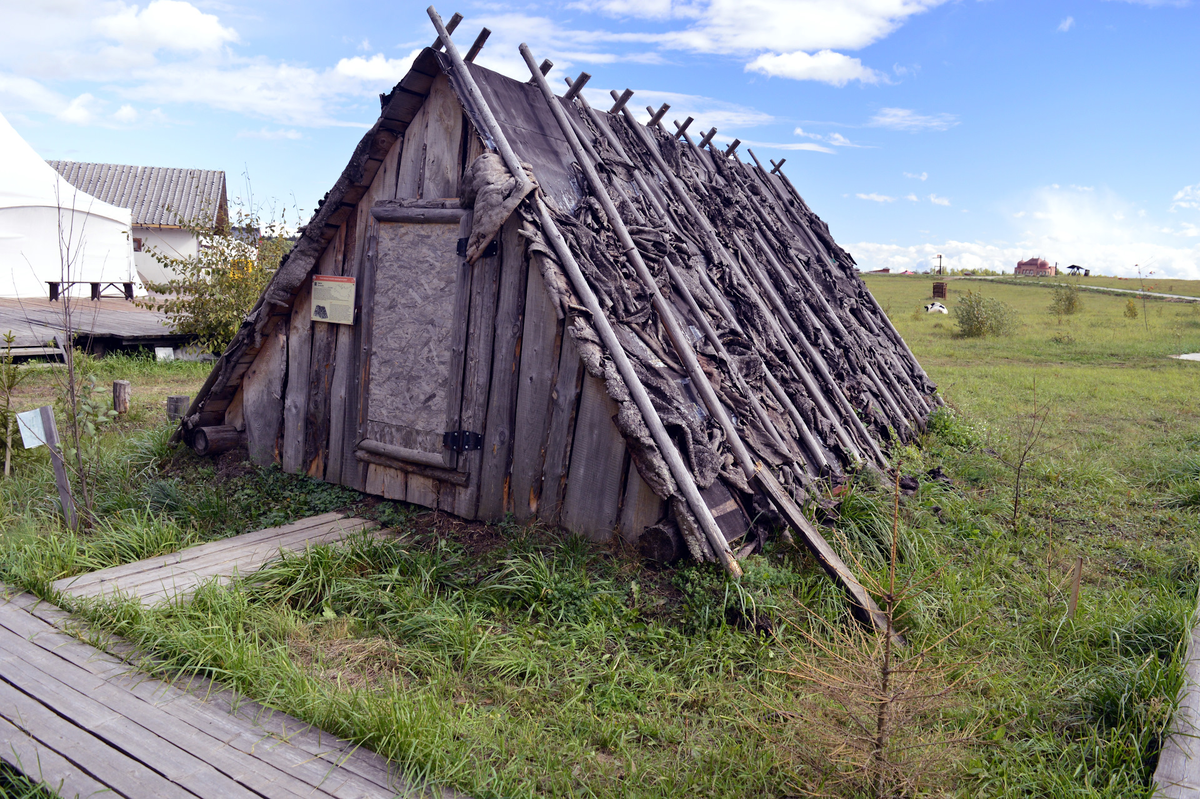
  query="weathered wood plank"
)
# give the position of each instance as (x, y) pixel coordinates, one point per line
(539, 358)
(262, 389)
(485, 286)
(443, 141)
(498, 434)
(123, 774)
(592, 500)
(447, 497)
(343, 348)
(41, 763)
(640, 506)
(295, 406)
(568, 385)
(412, 155)
(233, 414)
(423, 491)
(194, 552)
(385, 482)
(324, 336)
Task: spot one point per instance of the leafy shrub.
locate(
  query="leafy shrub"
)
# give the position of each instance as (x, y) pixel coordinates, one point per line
(952, 429)
(977, 316)
(1131, 311)
(1066, 301)
(219, 285)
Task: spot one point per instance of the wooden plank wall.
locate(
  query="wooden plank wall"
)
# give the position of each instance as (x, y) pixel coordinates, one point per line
(551, 450)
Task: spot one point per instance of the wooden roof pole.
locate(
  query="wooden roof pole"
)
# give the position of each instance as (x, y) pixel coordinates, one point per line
(755, 472)
(719, 301)
(816, 456)
(717, 247)
(679, 470)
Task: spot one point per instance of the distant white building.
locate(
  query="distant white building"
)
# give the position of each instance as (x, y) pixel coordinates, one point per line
(160, 199)
(43, 217)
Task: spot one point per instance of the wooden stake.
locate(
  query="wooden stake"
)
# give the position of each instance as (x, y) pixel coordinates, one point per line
(731, 149)
(681, 130)
(656, 116)
(707, 138)
(776, 167)
(50, 429)
(477, 45)
(576, 86)
(8, 447)
(177, 406)
(122, 392)
(450, 26)
(1073, 602)
(620, 101)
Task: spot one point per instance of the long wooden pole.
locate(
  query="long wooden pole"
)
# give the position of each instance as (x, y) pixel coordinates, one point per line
(754, 472)
(679, 470)
(50, 430)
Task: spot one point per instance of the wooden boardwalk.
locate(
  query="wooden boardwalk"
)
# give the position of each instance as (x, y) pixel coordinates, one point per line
(161, 579)
(1178, 772)
(83, 723)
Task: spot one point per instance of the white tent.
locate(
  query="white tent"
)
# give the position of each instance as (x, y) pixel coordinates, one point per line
(39, 211)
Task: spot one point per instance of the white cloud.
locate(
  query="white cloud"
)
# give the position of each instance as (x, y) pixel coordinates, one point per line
(646, 9)
(909, 120)
(1063, 225)
(922, 177)
(125, 114)
(936, 200)
(833, 139)
(270, 135)
(876, 198)
(378, 68)
(912, 198)
(707, 111)
(1187, 197)
(168, 25)
(27, 94)
(1066, 24)
(809, 146)
(825, 66)
(81, 111)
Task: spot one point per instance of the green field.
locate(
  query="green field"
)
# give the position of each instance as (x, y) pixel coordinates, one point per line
(508, 661)
(1152, 283)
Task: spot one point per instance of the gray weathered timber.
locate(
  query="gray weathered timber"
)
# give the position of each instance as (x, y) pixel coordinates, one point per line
(442, 165)
(295, 404)
(568, 385)
(262, 402)
(539, 356)
(74, 714)
(161, 578)
(494, 494)
(448, 494)
(485, 287)
(640, 506)
(324, 336)
(417, 311)
(591, 504)
(1177, 775)
(386, 482)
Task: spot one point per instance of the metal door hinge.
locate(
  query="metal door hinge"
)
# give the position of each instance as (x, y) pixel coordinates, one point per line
(490, 251)
(462, 440)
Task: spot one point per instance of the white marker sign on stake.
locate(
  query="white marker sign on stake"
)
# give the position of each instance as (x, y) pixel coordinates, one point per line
(33, 433)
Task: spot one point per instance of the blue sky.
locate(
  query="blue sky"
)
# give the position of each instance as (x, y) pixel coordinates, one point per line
(985, 130)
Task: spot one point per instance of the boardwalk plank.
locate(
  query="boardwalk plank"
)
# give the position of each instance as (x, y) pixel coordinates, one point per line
(44, 765)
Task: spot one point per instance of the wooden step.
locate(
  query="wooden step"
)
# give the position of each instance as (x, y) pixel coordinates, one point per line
(161, 579)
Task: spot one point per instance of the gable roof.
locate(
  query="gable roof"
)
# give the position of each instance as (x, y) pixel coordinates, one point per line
(766, 298)
(155, 195)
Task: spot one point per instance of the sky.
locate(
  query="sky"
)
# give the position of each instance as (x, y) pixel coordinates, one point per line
(985, 130)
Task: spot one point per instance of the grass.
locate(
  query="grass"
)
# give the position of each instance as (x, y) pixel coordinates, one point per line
(1152, 283)
(508, 660)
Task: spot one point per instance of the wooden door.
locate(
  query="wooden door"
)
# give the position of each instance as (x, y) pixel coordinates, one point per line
(418, 332)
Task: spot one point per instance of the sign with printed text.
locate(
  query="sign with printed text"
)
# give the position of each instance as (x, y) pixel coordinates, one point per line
(333, 299)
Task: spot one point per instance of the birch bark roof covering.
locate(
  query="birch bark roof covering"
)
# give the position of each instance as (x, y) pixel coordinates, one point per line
(799, 355)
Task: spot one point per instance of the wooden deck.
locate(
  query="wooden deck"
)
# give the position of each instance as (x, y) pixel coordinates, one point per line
(161, 579)
(84, 722)
(1178, 773)
(105, 324)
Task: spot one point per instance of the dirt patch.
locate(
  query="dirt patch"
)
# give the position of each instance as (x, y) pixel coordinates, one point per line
(334, 652)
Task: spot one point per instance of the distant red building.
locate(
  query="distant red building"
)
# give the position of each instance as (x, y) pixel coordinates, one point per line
(1035, 267)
